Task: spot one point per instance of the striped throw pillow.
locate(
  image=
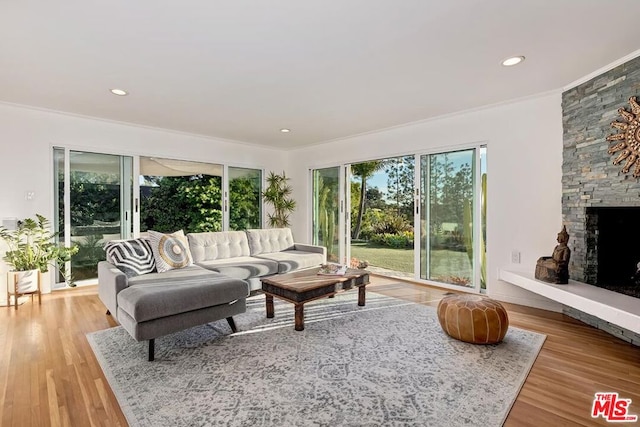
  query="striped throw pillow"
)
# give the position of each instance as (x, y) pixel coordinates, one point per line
(132, 257)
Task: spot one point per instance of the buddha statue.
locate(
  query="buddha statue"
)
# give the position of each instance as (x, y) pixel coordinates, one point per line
(555, 268)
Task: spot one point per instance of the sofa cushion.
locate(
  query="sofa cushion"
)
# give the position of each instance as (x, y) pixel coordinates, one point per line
(193, 272)
(153, 301)
(218, 245)
(294, 260)
(170, 250)
(270, 240)
(242, 267)
(133, 257)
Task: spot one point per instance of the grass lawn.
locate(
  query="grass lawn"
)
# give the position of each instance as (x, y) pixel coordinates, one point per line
(383, 256)
(443, 262)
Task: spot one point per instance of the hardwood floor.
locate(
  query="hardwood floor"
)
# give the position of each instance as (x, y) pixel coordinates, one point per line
(50, 377)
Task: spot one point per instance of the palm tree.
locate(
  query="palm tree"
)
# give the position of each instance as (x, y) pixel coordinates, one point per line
(363, 170)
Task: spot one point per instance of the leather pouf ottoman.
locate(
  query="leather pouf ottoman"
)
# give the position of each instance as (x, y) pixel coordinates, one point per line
(473, 318)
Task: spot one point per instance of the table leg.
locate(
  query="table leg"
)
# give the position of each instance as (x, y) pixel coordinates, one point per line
(269, 301)
(299, 317)
(361, 291)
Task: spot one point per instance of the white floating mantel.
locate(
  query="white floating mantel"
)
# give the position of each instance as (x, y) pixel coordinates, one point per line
(613, 307)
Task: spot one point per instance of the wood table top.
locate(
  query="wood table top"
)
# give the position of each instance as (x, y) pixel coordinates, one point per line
(305, 280)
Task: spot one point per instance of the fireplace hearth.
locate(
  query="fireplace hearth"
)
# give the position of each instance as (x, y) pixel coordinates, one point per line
(613, 248)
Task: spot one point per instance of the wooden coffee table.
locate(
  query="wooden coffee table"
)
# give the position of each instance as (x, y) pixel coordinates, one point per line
(306, 285)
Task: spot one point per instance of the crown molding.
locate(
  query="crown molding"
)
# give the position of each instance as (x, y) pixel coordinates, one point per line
(602, 70)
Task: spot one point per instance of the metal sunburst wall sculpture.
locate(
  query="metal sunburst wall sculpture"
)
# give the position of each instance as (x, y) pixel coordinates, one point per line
(629, 138)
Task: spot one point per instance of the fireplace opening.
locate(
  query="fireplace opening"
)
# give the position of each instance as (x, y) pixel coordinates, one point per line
(614, 234)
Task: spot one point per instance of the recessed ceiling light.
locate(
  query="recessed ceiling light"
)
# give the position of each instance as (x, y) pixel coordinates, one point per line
(285, 130)
(119, 92)
(514, 60)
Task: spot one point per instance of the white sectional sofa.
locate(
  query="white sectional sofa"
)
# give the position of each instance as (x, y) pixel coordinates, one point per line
(253, 254)
(227, 266)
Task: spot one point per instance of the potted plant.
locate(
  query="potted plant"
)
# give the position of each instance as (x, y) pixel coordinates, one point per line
(278, 194)
(31, 250)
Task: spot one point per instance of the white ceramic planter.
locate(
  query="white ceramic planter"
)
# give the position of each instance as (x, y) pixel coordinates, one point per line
(27, 281)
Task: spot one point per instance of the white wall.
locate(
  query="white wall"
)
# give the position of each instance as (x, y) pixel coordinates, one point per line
(27, 135)
(524, 159)
(524, 165)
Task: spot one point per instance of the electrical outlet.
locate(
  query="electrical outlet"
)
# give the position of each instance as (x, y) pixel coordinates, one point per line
(29, 195)
(515, 256)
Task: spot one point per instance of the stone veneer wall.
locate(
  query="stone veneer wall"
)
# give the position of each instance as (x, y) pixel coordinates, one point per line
(589, 178)
(610, 328)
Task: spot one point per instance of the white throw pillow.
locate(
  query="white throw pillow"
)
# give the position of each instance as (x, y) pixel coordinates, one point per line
(170, 251)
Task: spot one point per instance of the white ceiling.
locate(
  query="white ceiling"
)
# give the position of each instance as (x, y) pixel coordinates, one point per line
(327, 69)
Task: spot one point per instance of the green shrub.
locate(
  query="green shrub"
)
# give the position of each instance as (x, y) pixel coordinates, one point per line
(371, 217)
(400, 240)
(378, 221)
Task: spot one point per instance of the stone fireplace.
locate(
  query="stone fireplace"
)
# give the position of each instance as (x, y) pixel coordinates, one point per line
(600, 203)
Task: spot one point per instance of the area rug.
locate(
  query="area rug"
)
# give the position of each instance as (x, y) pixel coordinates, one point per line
(385, 364)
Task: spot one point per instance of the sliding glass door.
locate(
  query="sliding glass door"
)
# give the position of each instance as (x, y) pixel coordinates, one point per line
(180, 195)
(193, 196)
(327, 210)
(453, 217)
(94, 194)
(382, 215)
(420, 216)
(97, 200)
(245, 198)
